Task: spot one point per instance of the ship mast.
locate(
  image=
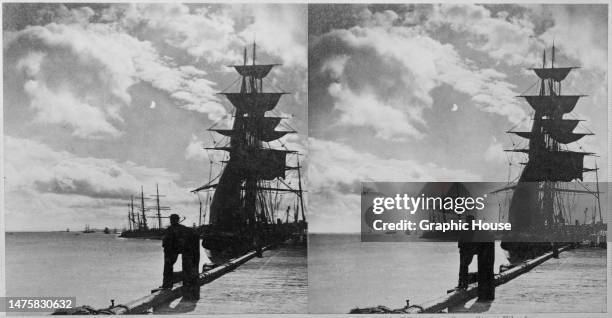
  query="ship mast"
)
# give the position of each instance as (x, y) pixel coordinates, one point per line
(142, 209)
(200, 218)
(300, 192)
(130, 221)
(252, 144)
(158, 207)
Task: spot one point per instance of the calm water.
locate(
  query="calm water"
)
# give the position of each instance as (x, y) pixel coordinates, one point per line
(98, 267)
(344, 273)
(94, 267)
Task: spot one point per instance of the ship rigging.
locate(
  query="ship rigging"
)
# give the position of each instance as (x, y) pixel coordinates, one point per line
(250, 189)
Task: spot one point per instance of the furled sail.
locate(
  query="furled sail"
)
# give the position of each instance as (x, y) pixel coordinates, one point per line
(255, 71)
(566, 138)
(524, 134)
(557, 74)
(266, 136)
(264, 164)
(555, 166)
(551, 105)
(561, 130)
(559, 136)
(566, 125)
(254, 102)
(262, 127)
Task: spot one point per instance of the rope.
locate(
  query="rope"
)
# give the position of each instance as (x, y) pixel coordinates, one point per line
(230, 85)
(528, 88)
(219, 120)
(277, 89)
(580, 124)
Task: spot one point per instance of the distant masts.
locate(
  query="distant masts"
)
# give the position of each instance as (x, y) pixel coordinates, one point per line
(159, 208)
(138, 221)
(142, 208)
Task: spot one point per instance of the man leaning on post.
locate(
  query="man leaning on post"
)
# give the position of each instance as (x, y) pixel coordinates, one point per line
(183, 240)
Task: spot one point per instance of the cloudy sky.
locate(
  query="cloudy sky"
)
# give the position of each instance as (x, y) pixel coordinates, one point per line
(426, 93)
(101, 99)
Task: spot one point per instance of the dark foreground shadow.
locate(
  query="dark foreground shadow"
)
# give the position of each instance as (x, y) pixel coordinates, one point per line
(477, 307)
(183, 306)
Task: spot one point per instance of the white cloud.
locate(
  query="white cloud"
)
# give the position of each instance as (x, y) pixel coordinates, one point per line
(63, 108)
(195, 149)
(92, 66)
(94, 62)
(507, 39)
(200, 33)
(49, 186)
(213, 34)
(30, 164)
(578, 33)
(335, 66)
(295, 142)
(512, 38)
(336, 165)
(290, 43)
(335, 173)
(365, 109)
(495, 152)
(398, 67)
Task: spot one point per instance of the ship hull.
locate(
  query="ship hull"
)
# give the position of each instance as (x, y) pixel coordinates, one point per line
(222, 246)
(519, 252)
(152, 234)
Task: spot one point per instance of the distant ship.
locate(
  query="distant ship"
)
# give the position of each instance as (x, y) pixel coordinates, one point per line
(249, 190)
(87, 229)
(138, 226)
(539, 208)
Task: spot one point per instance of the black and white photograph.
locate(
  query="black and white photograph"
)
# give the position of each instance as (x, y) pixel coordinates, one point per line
(155, 155)
(295, 158)
(453, 93)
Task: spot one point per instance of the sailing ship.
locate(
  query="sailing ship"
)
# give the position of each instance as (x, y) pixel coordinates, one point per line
(252, 181)
(137, 222)
(538, 208)
(87, 229)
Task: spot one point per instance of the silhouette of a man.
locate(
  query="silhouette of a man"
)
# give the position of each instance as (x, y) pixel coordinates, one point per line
(477, 243)
(467, 250)
(179, 239)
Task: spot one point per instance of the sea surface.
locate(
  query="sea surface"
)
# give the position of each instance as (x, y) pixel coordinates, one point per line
(344, 273)
(98, 267)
